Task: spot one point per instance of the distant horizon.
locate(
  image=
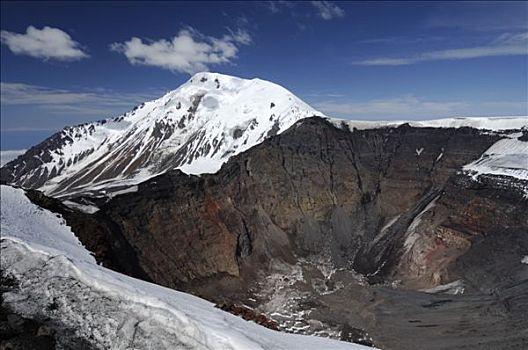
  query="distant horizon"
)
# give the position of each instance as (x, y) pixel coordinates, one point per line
(350, 60)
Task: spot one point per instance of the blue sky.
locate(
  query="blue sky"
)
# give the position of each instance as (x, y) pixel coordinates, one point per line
(64, 63)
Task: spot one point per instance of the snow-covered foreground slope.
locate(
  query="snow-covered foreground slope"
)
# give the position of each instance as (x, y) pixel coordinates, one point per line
(59, 281)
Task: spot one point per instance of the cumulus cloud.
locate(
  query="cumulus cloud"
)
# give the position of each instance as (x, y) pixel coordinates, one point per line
(328, 10)
(505, 45)
(188, 52)
(46, 43)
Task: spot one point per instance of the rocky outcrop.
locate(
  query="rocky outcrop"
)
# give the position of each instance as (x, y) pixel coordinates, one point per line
(249, 314)
(475, 232)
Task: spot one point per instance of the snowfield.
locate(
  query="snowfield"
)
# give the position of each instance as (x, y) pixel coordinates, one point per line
(507, 157)
(484, 123)
(60, 281)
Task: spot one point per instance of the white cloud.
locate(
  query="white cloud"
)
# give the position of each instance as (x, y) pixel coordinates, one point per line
(46, 43)
(101, 102)
(505, 45)
(240, 36)
(278, 6)
(302, 12)
(328, 10)
(412, 107)
(187, 52)
(25, 94)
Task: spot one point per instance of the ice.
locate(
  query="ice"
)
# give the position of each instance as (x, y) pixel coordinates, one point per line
(508, 157)
(455, 287)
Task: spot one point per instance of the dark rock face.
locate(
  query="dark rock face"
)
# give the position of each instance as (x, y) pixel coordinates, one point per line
(338, 230)
(314, 188)
(17, 332)
(465, 234)
(475, 234)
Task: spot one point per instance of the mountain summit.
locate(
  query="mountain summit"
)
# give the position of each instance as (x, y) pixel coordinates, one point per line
(195, 128)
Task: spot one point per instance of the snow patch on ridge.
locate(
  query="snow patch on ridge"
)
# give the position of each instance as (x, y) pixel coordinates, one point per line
(484, 123)
(455, 287)
(508, 157)
(88, 209)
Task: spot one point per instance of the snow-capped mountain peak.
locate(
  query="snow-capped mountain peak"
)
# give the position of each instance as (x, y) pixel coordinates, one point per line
(195, 128)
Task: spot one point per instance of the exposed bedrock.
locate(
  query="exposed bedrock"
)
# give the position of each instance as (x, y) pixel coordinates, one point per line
(315, 189)
(342, 229)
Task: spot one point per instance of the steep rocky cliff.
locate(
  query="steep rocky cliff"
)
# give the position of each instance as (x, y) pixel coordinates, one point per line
(367, 235)
(315, 190)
